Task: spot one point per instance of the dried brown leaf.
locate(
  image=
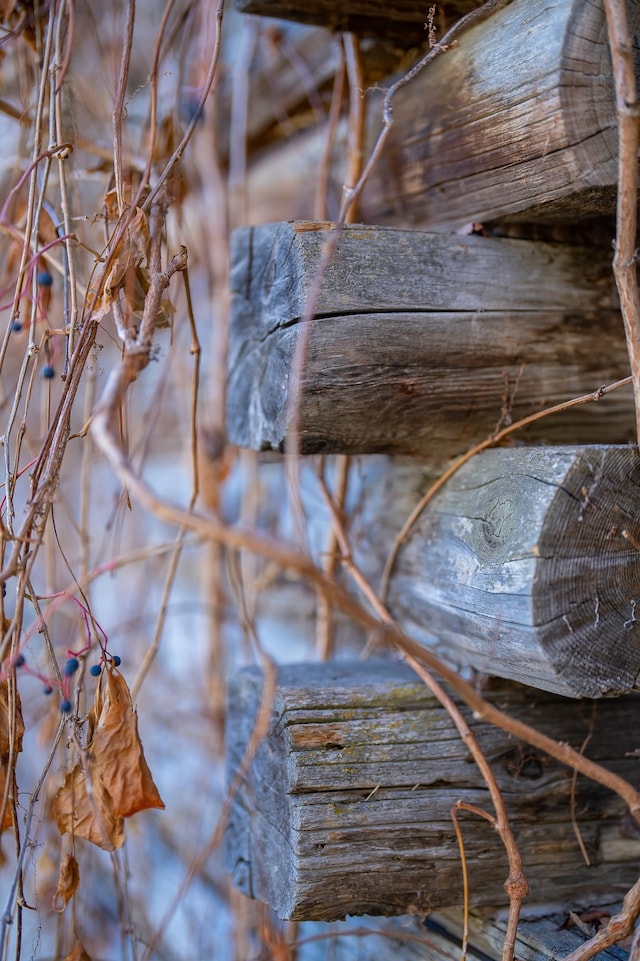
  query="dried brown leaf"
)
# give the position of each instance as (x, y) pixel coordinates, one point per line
(9, 727)
(129, 256)
(68, 881)
(87, 814)
(114, 781)
(118, 752)
(77, 953)
(139, 238)
(5, 721)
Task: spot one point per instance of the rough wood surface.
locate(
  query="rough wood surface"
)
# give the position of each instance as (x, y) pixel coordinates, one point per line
(403, 20)
(421, 343)
(519, 567)
(517, 119)
(346, 809)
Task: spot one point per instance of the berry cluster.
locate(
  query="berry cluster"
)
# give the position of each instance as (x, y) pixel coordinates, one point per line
(71, 666)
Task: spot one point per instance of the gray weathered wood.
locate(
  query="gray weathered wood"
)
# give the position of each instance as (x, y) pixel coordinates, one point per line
(346, 809)
(385, 939)
(418, 339)
(388, 939)
(517, 119)
(519, 567)
(542, 939)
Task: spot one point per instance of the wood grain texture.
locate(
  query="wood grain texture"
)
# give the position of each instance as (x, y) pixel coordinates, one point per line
(346, 809)
(519, 567)
(420, 343)
(516, 120)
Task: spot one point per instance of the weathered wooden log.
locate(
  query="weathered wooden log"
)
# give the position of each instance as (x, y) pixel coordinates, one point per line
(517, 119)
(420, 343)
(439, 938)
(402, 20)
(522, 567)
(346, 808)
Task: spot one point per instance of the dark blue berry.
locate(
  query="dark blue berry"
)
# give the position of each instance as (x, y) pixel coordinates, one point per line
(44, 279)
(4, 590)
(48, 372)
(71, 666)
(47, 690)
(20, 661)
(16, 326)
(190, 108)
(117, 661)
(95, 671)
(65, 706)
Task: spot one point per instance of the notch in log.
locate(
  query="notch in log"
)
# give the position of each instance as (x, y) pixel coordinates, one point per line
(420, 343)
(522, 567)
(346, 808)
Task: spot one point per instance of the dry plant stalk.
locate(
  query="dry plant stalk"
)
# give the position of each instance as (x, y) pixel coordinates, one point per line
(625, 266)
(45, 244)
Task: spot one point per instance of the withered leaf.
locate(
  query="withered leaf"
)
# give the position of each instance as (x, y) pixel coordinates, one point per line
(131, 253)
(118, 752)
(5, 720)
(87, 814)
(11, 725)
(68, 881)
(114, 781)
(139, 238)
(77, 953)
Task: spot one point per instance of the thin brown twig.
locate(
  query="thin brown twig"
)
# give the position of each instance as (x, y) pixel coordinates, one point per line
(628, 116)
(573, 804)
(320, 209)
(620, 926)
(465, 879)
(324, 613)
(516, 884)
(118, 109)
(355, 153)
(471, 19)
(357, 122)
(191, 126)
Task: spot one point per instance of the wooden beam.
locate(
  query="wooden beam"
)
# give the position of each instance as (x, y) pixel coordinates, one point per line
(400, 20)
(516, 119)
(420, 343)
(520, 567)
(346, 808)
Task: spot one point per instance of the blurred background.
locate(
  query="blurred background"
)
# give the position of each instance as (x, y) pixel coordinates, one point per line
(257, 112)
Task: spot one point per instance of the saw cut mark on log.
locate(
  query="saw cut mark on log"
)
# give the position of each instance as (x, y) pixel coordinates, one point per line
(346, 809)
(517, 120)
(521, 566)
(417, 338)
